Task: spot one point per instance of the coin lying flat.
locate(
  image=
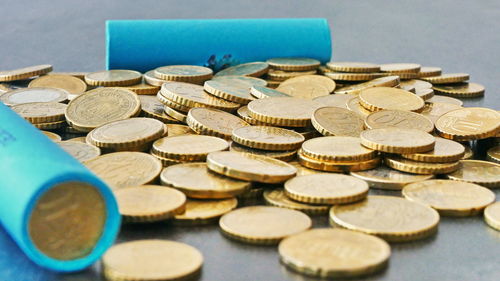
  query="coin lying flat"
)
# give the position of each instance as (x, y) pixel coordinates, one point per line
(283, 111)
(280, 75)
(327, 83)
(254, 69)
(437, 109)
(142, 88)
(71, 84)
(400, 68)
(80, 150)
(188, 147)
(201, 212)
(153, 108)
(278, 198)
(151, 260)
(213, 122)
(50, 125)
(479, 172)
(425, 94)
(24, 73)
(337, 121)
(328, 253)
(352, 77)
(387, 81)
(469, 123)
(492, 215)
(41, 112)
(428, 71)
(286, 155)
(244, 114)
(493, 154)
(335, 100)
(29, 95)
(391, 218)
(303, 89)
(379, 98)
(150, 78)
(397, 140)
(183, 73)
(241, 81)
(362, 67)
(52, 136)
(176, 130)
(262, 224)
(115, 77)
(250, 167)
(422, 168)
(261, 92)
(340, 167)
(399, 119)
(228, 92)
(447, 78)
(267, 138)
(444, 151)
(383, 177)
(337, 148)
(415, 83)
(293, 64)
(445, 99)
(450, 198)
(461, 90)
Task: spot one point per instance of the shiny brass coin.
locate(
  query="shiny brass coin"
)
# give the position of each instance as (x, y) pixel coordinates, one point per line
(450, 198)
(335, 100)
(213, 122)
(153, 108)
(326, 188)
(261, 92)
(469, 154)
(125, 169)
(444, 99)
(52, 136)
(404, 76)
(172, 105)
(228, 92)
(80, 151)
(427, 71)
(41, 112)
(387, 81)
(142, 89)
(344, 76)
(331, 253)
(444, 151)
(267, 138)
(283, 111)
(192, 95)
(399, 119)
(425, 94)
(166, 162)
(253, 194)
(469, 123)
(422, 168)
(383, 177)
(479, 172)
(29, 95)
(286, 156)
(100, 106)
(241, 81)
(149, 203)
(337, 148)
(150, 78)
(263, 224)
(305, 90)
(461, 90)
(301, 170)
(123, 134)
(183, 73)
(308, 132)
(243, 114)
(379, 98)
(250, 167)
(254, 69)
(293, 64)
(179, 116)
(400, 68)
(278, 198)
(79, 139)
(493, 154)
(492, 215)
(322, 69)
(362, 67)
(328, 83)
(273, 84)
(151, 260)
(415, 83)
(435, 110)
(115, 77)
(447, 78)
(50, 126)
(200, 212)
(24, 73)
(391, 218)
(397, 140)
(178, 130)
(339, 167)
(71, 84)
(188, 147)
(77, 74)
(280, 75)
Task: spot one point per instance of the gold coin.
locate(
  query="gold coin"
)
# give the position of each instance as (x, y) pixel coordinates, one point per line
(172, 105)
(305, 90)
(400, 68)
(150, 78)
(192, 95)
(492, 215)
(243, 114)
(362, 67)
(29, 95)
(142, 89)
(151, 260)
(278, 198)
(293, 64)
(387, 81)
(391, 218)
(461, 90)
(123, 134)
(469, 123)
(41, 112)
(213, 122)
(77, 74)
(183, 73)
(168, 162)
(327, 83)
(444, 151)
(450, 198)
(479, 172)
(469, 154)
(335, 100)
(75, 233)
(493, 154)
(261, 92)
(228, 91)
(196, 181)
(444, 99)
(69, 83)
(100, 106)
(149, 203)
(115, 77)
(435, 110)
(322, 69)
(200, 212)
(263, 224)
(286, 155)
(399, 119)
(254, 69)
(353, 77)
(273, 84)
(383, 177)
(267, 138)
(24, 73)
(250, 167)
(80, 151)
(415, 83)
(301, 170)
(283, 111)
(125, 169)
(337, 148)
(326, 188)
(79, 139)
(427, 71)
(280, 75)
(447, 78)
(379, 98)
(330, 253)
(52, 136)
(397, 140)
(241, 81)
(50, 126)
(188, 147)
(417, 167)
(339, 167)
(177, 130)
(425, 94)
(152, 107)
(179, 116)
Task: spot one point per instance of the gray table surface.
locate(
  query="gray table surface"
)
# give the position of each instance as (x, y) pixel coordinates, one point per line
(459, 36)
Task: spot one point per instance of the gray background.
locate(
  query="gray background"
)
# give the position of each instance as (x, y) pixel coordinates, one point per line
(459, 36)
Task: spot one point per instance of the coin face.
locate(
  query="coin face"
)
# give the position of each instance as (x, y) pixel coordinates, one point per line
(188, 147)
(425, 94)
(81, 151)
(115, 77)
(209, 121)
(444, 99)
(331, 253)
(400, 67)
(205, 211)
(142, 89)
(362, 67)
(461, 90)
(354, 106)
(262, 224)
(52, 136)
(293, 64)
(278, 198)
(417, 167)
(352, 77)
(283, 111)
(228, 91)
(71, 84)
(444, 151)
(384, 177)
(150, 78)
(24, 73)
(261, 92)
(379, 98)
(326, 82)
(492, 215)
(450, 198)
(337, 121)
(399, 119)
(336, 100)
(176, 130)
(244, 114)
(151, 260)
(427, 71)
(415, 83)
(480, 172)
(152, 107)
(435, 110)
(280, 75)
(267, 138)
(30, 95)
(286, 155)
(447, 78)
(469, 123)
(303, 89)
(254, 69)
(337, 148)
(241, 81)
(391, 218)
(41, 112)
(397, 140)
(386, 81)
(183, 73)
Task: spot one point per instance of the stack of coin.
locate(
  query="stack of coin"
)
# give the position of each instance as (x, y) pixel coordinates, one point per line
(455, 85)
(43, 115)
(284, 68)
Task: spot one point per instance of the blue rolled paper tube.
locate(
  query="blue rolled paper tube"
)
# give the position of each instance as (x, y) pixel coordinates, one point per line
(60, 214)
(143, 45)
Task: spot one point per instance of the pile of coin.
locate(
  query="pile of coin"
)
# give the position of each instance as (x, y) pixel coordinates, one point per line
(184, 144)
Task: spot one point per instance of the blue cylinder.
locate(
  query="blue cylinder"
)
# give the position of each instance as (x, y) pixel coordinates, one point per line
(61, 215)
(143, 45)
